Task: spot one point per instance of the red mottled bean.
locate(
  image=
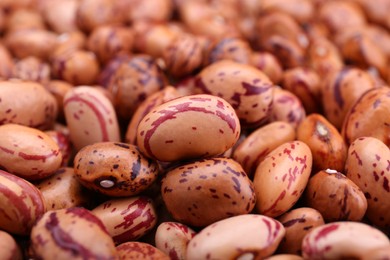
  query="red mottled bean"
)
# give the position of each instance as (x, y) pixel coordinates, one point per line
(127, 219)
(139, 250)
(172, 238)
(21, 204)
(90, 116)
(9, 249)
(267, 63)
(245, 236)
(63, 142)
(281, 178)
(194, 126)
(114, 169)
(73, 233)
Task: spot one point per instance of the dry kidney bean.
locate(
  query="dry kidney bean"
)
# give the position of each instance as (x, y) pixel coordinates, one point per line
(329, 241)
(63, 142)
(368, 165)
(297, 223)
(246, 236)
(281, 178)
(335, 196)
(139, 250)
(267, 63)
(9, 249)
(114, 169)
(172, 238)
(71, 233)
(205, 191)
(325, 141)
(61, 15)
(21, 204)
(234, 49)
(127, 219)
(195, 126)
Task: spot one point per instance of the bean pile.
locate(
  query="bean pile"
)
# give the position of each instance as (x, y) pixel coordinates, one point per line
(194, 129)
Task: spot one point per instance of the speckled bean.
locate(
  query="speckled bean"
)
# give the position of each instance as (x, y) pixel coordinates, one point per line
(35, 106)
(63, 142)
(62, 190)
(73, 233)
(335, 196)
(297, 223)
(31, 69)
(256, 146)
(368, 165)
(240, 237)
(21, 204)
(90, 117)
(341, 90)
(139, 250)
(325, 141)
(246, 88)
(369, 116)
(9, 249)
(127, 219)
(154, 100)
(287, 107)
(172, 238)
(281, 178)
(341, 240)
(234, 49)
(267, 63)
(194, 126)
(114, 169)
(28, 152)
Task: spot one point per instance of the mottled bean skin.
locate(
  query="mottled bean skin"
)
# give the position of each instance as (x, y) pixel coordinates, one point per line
(341, 90)
(127, 219)
(9, 249)
(287, 107)
(133, 81)
(335, 196)
(73, 233)
(328, 147)
(256, 146)
(234, 49)
(63, 141)
(297, 223)
(267, 63)
(281, 178)
(369, 116)
(246, 88)
(205, 191)
(139, 250)
(34, 106)
(21, 204)
(90, 117)
(248, 236)
(28, 152)
(114, 169)
(342, 240)
(154, 100)
(368, 165)
(62, 190)
(31, 69)
(195, 126)
(172, 238)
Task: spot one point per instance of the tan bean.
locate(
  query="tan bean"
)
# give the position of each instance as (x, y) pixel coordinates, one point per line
(301, 10)
(31, 69)
(62, 190)
(61, 15)
(127, 219)
(257, 145)
(172, 238)
(114, 169)
(367, 165)
(21, 204)
(237, 237)
(369, 116)
(281, 178)
(269, 64)
(329, 241)
(73, 233)
(90, 116)
(325, 141)
(378, 253)
(24, 18)
(297, 223)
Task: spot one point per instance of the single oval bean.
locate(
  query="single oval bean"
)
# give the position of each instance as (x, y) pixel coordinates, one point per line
(114, 169)
(73, 233)
(21, 204)
(281, 178)
(194, 126)
(127, 219)
(245, 236)
(90, 117)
